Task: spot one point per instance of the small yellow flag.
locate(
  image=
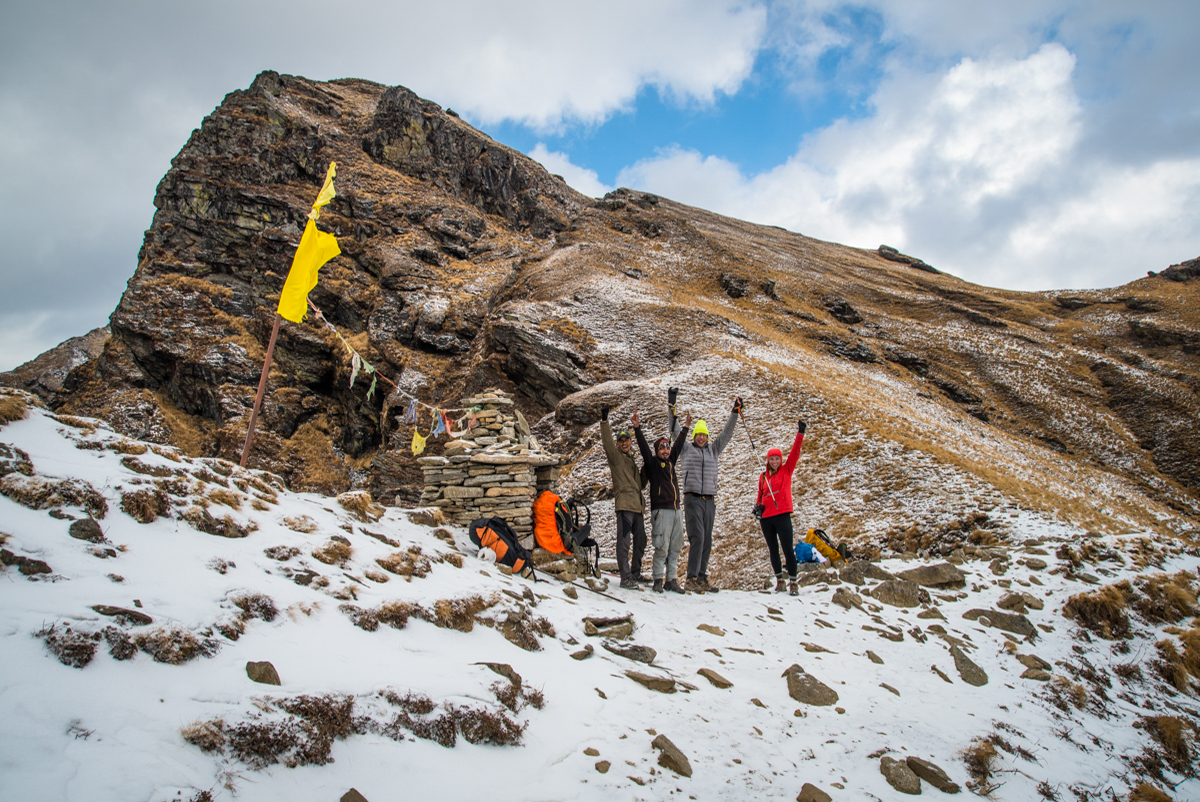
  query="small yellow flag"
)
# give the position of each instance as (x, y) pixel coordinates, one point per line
(316, 248)
(418, 444)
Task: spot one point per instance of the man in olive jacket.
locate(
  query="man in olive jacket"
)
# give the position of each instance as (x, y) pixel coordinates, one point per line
(628, 481)
(698, 471)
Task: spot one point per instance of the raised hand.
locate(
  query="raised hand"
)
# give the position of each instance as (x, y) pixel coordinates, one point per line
(634, 421)
(603, 413)
(802, 427)
(672, 394)
(737, 404)
(687, 424)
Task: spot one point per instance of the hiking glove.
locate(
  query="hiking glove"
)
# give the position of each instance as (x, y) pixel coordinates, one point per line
(802, 427)
(672, 394)
(603, 413)
(737, 404)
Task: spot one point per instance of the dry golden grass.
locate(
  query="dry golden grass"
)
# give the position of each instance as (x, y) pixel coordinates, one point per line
(359, 502)
(1148, 793)
(430, 517)
(407, 564)
(335, 552)
(145, 506)
(227, 498)
(1166, 599)
(12, 408)
(208, 735)
(311, 460)
(1073, 692)
(458, 614)
(300, 523)
(125, 446)
(1104, 611)
(376, 576)
(978, 758)
(86, 426)
(1173, 735)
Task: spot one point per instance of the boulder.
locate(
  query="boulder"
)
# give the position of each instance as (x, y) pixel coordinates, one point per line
(968, 670)
(1033, 661)
(811, 793)
(642, 654)
(1037, 674)
(844, 597)
(265, 673)
(86, 529)
(710, 629)
(1035, 564)
(670, 756)
(504, 670)
(660, 684)
(897, 593)
(131, 616)
(603, 766)
(1020, 601)
(874, 658)
(353, 796)
(583, 653)
(857, 572)
(932, 774)
(807, 689)
(715, 678)
(899, 775)
(1008, 622)
(941, 575)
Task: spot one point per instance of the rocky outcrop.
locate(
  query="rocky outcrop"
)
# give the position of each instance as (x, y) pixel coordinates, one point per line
(893, 255)
(46, 375)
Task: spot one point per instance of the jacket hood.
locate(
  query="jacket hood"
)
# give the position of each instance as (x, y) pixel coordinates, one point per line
(774, 452)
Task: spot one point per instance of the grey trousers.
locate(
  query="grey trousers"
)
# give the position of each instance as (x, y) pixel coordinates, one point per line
(666, 535)
(630, 523)
(701, 513)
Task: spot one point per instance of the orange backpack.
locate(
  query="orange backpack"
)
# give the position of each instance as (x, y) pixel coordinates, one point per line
(556, 527)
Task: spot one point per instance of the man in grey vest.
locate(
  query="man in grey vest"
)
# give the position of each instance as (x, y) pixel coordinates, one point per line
(698, 474)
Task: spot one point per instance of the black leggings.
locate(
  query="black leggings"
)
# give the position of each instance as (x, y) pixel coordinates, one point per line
(778, 531)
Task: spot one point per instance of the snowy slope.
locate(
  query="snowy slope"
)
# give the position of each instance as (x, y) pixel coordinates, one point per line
(113, 729)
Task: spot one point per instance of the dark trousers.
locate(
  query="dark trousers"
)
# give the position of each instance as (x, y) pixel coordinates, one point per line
(778, 531)
(630, 523)
(700, 515)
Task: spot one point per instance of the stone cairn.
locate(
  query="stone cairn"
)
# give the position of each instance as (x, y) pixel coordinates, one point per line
(496, 468)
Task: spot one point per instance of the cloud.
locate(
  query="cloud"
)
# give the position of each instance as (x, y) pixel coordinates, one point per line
(980, 170)
(579, 178)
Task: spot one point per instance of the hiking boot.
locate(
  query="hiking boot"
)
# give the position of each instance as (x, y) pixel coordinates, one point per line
(658, 586)
(793, 588)
(695, 584)
(672, 585)
(642, 578)
(709, 587)
(629, 583)
(779, 586)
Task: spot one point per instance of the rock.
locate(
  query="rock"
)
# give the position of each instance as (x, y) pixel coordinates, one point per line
(660, 684)
(897, 593)
(715, 678)
(734, 286)
(642, 654)
(1037, 674)
(893, 255)
(86, 529)
(932, 612)
(970, 673)
(1033, 661)
(353, 796)
(583, 653)
(860, 570)
(899, 775)
(811, 793)
(932, 774)
(263, 672)
(709, 628)
(874, 658)
(807, 689)
(614, 628)
(570, 592)
(670, 756)
(1035, 564)
(1019, 601)
(131, 616)
(812, 647)
(887, 687)
(1008, 622)
(592, 752)
(941, 674)
(603, 766)
(941, 575)
(844, 597)
(999, 566)
(504, 670)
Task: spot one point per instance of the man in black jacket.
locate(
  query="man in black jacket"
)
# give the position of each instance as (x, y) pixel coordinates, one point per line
(666, 520)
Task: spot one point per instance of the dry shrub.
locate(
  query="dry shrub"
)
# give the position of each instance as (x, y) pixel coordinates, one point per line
(406, 563)
(72, 647)
(444, 535)
(482, 726)
(174, 646)
(458, 614)
(415, 703)
(301, 523)
(1063, 692)
(359, 502)
(281, 553)
(1172, 735)
(232, 628)
(454, 559)
(477, 725)
(145, 506)
(515, 697)
(1171, 666)
(120, 644)
(208, 477)
(225, 526)
(1103, 611)
(430, 517)
(1148, 793)
(978, 758)
(166, 453)
(375, 576)
(313, 464)
(12, 408)
(256, 605)
(1130, 672)
(208, 735)
(125, 446)
(1166, 599)
(158, 471)
(367, 620)
(259, 505)
(396, 614)
(84, 425)
(335, 552)
(521, 629)
(226, 497)
(39, 493)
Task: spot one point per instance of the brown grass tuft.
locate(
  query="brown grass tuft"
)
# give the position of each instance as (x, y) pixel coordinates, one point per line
(126, 446)
(1166, 599)
(1148, 793)
(39, 493)
(978, 757)
(359, 502)
(335, 552)
(256, 605)
(313, 464)
(396, 614)
(1064, 692)
(1171, 665)
(208, 735)
(1104, 611)
(174, 646)
(12, 408)
(301, 523)
(430, 517)
(1172, 735)
(406, 563)
(375, 576)
(226, 497)
(72, 647)
(458, 614)
(145, 506)
(454, 559)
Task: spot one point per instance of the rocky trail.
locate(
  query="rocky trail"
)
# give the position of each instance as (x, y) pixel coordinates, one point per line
(177, 628)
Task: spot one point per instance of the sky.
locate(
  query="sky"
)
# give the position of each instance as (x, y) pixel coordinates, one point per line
(1032, 144)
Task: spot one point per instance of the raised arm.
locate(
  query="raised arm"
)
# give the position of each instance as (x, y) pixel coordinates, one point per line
(643, 446)
(606, 438)
(681, 440)
(794, 454)
(720, 441)
(672, 421)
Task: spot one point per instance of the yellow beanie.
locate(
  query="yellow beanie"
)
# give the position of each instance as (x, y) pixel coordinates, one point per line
(700, 428)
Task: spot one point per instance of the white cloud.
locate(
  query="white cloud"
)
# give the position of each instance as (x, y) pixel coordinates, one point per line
(979, 171)
(579, 178)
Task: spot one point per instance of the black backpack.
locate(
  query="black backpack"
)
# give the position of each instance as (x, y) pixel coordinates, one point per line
(497, 535)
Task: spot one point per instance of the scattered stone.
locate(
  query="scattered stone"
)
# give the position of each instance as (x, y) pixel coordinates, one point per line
(941, 674)
(811, 793)
(1035, 564)
(874, 658)
(1019, 601)
(660, 684)
(999, 566)
(856, 572)
(642, 654)
(603, 766)
(758, 703)
(812, 647)
(130, 616)
(844, 597)
(894, 637)
(932, 774)
(614, 628)
(897, 593)
(670, 756)
(710, 629)
(571, 592)
(715, 678)
(1037, 674)
(583, 653)
(931, 612)
(807, 689)
(504, 670)
(1033, 661)
(592, 752)
(941, 575)
(86, 529)
(899, 775)
(887, 687)
(265, 673)
(353, 796)
(1007, 622)
(969, 671)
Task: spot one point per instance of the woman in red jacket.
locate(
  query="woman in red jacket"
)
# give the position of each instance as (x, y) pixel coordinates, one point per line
(774, 508)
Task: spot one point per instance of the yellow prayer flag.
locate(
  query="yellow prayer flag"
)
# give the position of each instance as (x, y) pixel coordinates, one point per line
(316, 248)
(418, 444)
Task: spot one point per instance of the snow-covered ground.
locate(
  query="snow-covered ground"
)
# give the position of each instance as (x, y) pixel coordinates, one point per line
(113, 729)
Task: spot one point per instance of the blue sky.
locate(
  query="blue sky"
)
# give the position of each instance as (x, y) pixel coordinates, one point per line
(1035, 144)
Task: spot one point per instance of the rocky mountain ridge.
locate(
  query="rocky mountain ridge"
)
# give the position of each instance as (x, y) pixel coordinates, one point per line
(937, 408)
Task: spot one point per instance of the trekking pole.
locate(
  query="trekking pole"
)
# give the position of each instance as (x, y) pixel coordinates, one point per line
(747, 428)
(593, 590)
